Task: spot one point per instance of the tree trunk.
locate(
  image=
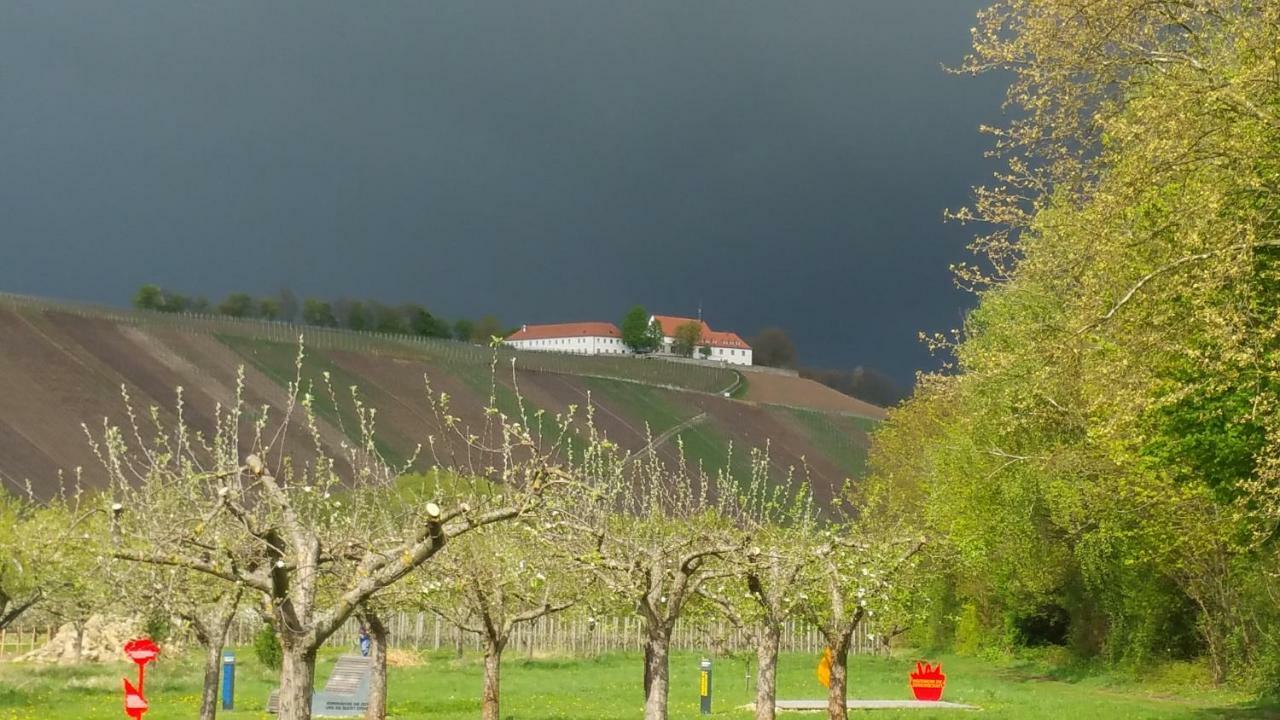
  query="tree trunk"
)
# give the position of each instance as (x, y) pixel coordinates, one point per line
(211, 631)
(837, 692)
(490, 703)
(78, 645)
(212, 670)
(377, 709)
(657, 650)
(767, 672)
(297, 681)
(648, 668)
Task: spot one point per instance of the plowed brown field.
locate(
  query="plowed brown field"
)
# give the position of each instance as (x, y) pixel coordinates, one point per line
(59, 369)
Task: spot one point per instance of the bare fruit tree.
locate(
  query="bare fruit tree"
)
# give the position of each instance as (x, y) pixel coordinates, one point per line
(757, 592)
(314, 537)
(856, 567)
(492, 581)
(650, 532)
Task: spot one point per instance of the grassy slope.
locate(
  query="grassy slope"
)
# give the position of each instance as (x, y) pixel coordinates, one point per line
(333, 400)
(836, 436)
(703, 443)
(609, 689)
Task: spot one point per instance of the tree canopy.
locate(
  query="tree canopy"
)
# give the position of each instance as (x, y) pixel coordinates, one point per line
(1105, 445)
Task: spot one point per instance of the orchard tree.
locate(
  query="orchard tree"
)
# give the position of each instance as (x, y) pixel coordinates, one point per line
(41, 553)
(208, 609)
(853, 575)
(651, 535)
(490, 582)
(758, 591)
(312, 542)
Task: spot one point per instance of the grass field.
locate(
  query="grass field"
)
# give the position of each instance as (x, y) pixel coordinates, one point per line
(443, 688)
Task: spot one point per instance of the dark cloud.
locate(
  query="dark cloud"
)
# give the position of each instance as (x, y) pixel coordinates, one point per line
(781, 163)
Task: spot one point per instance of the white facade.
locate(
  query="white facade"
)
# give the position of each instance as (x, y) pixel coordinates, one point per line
(580, 345)
(584, 338)
(602, 338)
(725, 347)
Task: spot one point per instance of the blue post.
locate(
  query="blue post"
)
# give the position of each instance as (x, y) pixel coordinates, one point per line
(228, 680)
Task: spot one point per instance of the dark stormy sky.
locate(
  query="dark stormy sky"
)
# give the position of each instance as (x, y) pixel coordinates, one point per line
(780, 162)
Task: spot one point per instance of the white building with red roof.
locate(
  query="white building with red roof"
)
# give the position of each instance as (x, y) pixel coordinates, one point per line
(581, 338)
(715, 345)
(602, 338)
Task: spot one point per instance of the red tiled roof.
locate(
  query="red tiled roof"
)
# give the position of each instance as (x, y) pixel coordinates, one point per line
(723, 339)
(563, 330)
(713, 338)
(669, 323)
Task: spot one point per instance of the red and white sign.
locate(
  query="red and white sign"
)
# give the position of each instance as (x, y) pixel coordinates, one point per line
(927, 681)
(141, 651)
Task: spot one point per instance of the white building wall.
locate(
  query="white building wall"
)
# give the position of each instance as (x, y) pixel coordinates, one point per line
(577, 345)
(732, 356)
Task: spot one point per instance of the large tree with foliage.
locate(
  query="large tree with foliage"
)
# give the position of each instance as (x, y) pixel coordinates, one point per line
(638, 333)
(1106, 445)
(687, 339)
(773, 347)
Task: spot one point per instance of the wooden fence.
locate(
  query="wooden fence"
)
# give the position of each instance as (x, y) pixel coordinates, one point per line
(17, 641)
(566, 635)
(578, 636)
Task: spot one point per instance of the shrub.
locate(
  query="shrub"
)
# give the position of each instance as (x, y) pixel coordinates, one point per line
(266, 646)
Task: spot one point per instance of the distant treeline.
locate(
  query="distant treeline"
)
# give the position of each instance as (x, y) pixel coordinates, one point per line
(367, 315)
(773, 347)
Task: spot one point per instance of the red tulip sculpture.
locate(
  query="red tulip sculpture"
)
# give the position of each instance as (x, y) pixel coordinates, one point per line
(134, 703)
(141, 651)
(927, 681)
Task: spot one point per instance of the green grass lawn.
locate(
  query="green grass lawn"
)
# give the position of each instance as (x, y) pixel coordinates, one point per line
(443, 688)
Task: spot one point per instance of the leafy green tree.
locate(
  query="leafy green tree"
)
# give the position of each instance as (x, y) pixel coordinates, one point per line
(463, 329)
(149, 297)
(386, 319)
(319, 313)
(288, 303)
(687, 339)
(486, 328)
(356, 317)
(423, 324)
(772, 347)
(1105, 445)
(175, 303)
(237, 305)
(269, 308)
(637, 331)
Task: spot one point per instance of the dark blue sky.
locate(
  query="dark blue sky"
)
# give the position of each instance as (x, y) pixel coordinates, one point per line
(783, 163)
